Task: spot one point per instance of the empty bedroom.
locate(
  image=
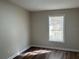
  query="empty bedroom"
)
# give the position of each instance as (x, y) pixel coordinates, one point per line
(39, 29)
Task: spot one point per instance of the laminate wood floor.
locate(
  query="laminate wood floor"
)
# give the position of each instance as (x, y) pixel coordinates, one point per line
(43, 53)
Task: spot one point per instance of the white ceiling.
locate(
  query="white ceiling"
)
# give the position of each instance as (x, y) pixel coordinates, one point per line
(37, 5)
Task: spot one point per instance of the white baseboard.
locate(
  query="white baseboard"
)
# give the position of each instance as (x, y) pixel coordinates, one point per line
(65, 49)
(16, 54)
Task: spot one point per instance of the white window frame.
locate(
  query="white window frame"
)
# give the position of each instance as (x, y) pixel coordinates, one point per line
(52, 40)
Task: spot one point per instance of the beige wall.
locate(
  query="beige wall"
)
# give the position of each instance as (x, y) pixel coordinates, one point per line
(14, 29)
(40, 29)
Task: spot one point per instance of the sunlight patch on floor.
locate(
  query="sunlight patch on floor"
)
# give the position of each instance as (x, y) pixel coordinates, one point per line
(36, 52)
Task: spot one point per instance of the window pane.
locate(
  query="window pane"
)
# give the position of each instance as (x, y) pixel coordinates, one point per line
(56, 28)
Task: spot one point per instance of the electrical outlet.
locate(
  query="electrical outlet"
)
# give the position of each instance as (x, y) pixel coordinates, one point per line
(18, 53)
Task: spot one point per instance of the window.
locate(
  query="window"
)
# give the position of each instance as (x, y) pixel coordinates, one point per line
(56, 24)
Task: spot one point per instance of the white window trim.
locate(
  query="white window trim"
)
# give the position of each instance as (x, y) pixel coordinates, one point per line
(63, 29)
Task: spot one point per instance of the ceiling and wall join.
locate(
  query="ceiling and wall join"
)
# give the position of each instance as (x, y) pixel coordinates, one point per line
(38, 5)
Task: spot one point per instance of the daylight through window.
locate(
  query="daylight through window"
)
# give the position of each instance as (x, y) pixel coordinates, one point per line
(56, 28)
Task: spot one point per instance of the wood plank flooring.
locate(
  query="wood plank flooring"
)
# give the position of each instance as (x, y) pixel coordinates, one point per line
(43, 53)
